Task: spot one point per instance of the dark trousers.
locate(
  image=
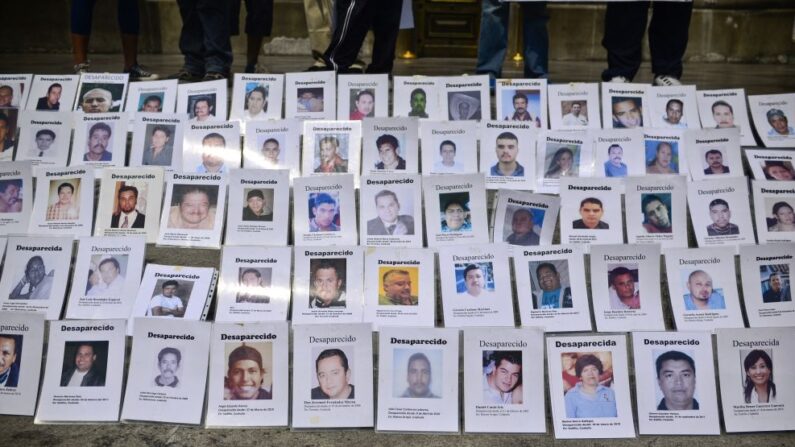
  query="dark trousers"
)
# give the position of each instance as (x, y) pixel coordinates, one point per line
(259, 17)
(625, 24)
(353, 19)
(82, 14)
(204, 40)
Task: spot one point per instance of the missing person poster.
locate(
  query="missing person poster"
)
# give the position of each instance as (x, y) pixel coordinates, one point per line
(418, 380)
(44, 137)
(590, 211)
(675, 383)
(151, 97)
(756, 395)
(618, 152)
(417, 97)
(327, 285)
(771, 115)
(720, 211)
(503, 381)
(203, 101)
(100, 139)
(332, 376)
(551, 290)
(453, 209)
(774, 203)
(83, 376)
(126, 197)
(19, 87)
(52, 93)
(21, 344)
(157, 140)
(673, 107)
(106, 276)
(702, 284)
(64, 202)
(259, 203)
(714, 153)
(168, 371)
(522, 100)
(721, 109)
(35, 281)
(16, 197)
(767, 285)
(256, 97)
(656, 210)
(324, 211)
(562, 154)
(390, 145)
(332, 147)
(625, 106)
(248, 384)
(255, 284)
(771, 164)
(448, 147)
(211, 147)
(589, 387)
(273, 144)
(524, 219)
(665, 152)
(362, 96)
(624, 287)
(574, 106)
(193, 210)
(391, 210)
(465, 98)
(399, 287)
(310, 95)
(476, 285)
(507, 154)
(101, 92)
(173, 292)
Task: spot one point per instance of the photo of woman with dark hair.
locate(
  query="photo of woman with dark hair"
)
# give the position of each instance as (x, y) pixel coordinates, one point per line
(759, 387)
(562, 164)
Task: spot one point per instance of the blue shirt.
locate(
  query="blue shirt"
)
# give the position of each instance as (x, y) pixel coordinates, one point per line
(715, 301)
(518, 172)
(467, 226)
(612, 171)
(600, 405)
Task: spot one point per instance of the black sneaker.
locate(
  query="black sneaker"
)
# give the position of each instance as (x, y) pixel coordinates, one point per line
(185, 76)
(139, 73)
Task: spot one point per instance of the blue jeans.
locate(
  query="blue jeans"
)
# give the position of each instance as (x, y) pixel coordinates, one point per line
(494, 38)
(204, 40)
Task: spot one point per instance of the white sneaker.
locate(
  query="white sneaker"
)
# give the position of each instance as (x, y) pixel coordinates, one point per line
(620, 79)
(666, 81)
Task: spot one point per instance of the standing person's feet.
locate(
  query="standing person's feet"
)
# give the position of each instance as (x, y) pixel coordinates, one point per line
(83, 67)
(139, 73)
(620, 79)
(214, 76)
(184, 76)
(666, 81)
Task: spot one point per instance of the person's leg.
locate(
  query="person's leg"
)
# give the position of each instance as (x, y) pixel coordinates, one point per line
(259, 23)
(668, 35)
(81, 16)
(129, 25)
(386, 26)
(191, 38)
(536, 39)
(352, 22)
(214, 18)
(493, 38)
(625, 24)
(318, 24)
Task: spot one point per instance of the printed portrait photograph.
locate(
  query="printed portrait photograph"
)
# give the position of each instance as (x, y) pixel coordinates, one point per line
(11, 195)
(85, 363)
(63, 200)
(392, 212)
(778, 170)
(505, 153)
(550, 283)
(44, 139)
(674, 115)
(627, 112)
(10, 359)
(574, 113)
(662, 157)
(417, 373)
(592, 215)
(49, 99)
(170, 298)
(100, 97)
(713, 160)
(249, 371)
(258, 205)
(454, 210)
(99, 141)
(193, 207)
(474, 280)
(446, 158)
(522, 225)
(418, 100)
(168, 368)
(331, 153)
(34, 276)
(502, 377)
(463, 106)
(324, 211)
(775, 283)
(701, 290)
(521, 105)
(201, 107)
(255, 105)
(362, 103)
(327, 284)
(657, 212)
(778, 121)
(391, 149)
(614, 165)
(587, 385)
(129, 204)
(720, 214)
(11, 93)
(623, 286)
(779, 214)
(8, 132)
(272, 147)
(561, 160)
(106, 275)
(398, 285)
(253, 285)
(675, 389)
(151, 102)
(758, 385)
(332, 373)
(310, 99)
(723, 113)
(159, 144)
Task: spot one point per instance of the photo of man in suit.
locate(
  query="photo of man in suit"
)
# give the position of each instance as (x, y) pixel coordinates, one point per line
(389, 221)
(128, 216)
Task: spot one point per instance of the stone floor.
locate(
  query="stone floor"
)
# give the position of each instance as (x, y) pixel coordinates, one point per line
(20, 431)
